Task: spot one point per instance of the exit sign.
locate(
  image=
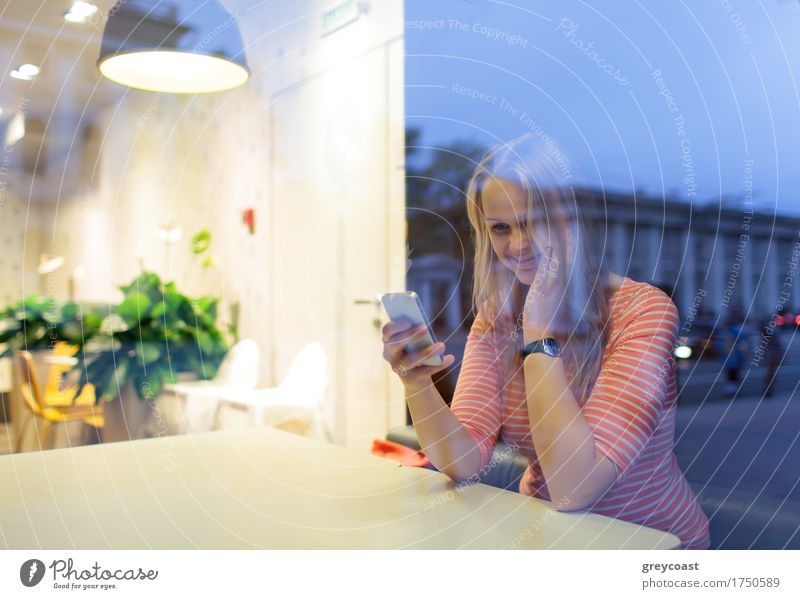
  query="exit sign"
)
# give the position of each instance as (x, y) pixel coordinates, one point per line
(341, 14)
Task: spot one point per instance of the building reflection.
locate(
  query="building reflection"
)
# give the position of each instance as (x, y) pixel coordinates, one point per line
(718, 262)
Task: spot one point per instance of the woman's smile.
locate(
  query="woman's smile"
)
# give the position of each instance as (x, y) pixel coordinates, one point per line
(527, 264)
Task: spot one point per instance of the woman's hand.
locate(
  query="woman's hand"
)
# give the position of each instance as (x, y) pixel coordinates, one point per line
(397, 335)
(541, 313)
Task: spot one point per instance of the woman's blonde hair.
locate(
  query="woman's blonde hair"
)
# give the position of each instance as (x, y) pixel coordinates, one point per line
(498, 296)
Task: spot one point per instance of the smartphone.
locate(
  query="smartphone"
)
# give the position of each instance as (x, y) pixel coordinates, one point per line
(406, 305)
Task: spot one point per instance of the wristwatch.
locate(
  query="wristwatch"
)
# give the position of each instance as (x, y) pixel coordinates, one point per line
(548, 346)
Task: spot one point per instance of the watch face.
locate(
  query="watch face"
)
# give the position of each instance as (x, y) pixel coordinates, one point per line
(551, 347)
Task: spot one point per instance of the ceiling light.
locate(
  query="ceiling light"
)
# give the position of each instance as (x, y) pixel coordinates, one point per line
(25, 72)
(186, 46)
(80, 12)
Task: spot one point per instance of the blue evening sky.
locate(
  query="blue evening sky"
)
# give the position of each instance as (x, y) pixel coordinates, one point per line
(586, 75)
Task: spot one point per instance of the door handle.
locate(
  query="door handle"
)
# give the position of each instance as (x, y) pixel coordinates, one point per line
(374, 302)
(377, 322)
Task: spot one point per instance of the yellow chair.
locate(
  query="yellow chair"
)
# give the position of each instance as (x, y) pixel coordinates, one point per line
(60, 361)
(57, 405)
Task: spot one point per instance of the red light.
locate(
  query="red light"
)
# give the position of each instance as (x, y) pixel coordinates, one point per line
(797, 320)
(779, 321)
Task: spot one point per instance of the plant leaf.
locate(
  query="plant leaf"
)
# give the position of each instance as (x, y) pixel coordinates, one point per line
(201, 241)
(112, 324)
(134, 308)
(149, 352)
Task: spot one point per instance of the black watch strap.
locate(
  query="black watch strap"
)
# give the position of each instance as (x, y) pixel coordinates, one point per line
(548, 346)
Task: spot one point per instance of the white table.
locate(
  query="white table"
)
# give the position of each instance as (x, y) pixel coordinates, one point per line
(262, 488)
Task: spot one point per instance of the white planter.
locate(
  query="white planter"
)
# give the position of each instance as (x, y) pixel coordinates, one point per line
(128, 417)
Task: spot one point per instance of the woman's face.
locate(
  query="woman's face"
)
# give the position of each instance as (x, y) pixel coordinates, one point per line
(506, 213)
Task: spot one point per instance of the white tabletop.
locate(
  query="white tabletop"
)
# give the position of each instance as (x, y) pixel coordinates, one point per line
(263, 488)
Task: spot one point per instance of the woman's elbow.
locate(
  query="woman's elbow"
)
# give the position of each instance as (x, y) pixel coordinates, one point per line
(572, 502)
(461, 476)
(567, 504)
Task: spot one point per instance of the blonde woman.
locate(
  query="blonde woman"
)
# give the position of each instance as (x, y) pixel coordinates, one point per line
(567, 362)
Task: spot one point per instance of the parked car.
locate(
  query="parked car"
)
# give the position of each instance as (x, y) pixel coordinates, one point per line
(701, 341)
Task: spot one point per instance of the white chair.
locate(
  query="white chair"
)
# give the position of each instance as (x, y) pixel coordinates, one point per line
(197, 402)
(296, 404)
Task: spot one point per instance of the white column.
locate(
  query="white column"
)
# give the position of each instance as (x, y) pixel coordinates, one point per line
(425, 295)
(620, 248)
(795, 297)
(772, 276)
(453, 304)
(716, 253)
(687, 270)
(746, 274)
(653, 243)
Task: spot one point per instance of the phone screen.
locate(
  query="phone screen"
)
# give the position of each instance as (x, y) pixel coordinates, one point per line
(407, 306)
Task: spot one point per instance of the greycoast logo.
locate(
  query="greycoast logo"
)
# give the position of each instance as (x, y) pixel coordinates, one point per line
(66, 576)
(31, 572)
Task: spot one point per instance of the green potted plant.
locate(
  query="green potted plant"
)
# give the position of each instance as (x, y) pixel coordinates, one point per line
(37, 323)
(155, 333)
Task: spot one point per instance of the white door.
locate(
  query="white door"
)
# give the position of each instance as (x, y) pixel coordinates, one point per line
(337, 233)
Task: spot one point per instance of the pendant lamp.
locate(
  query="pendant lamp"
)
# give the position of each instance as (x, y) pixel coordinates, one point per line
(173, 46)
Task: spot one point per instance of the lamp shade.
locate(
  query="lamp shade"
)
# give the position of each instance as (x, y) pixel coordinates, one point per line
(173, 46)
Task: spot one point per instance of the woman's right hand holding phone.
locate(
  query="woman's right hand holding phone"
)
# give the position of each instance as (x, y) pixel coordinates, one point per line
(397, 335)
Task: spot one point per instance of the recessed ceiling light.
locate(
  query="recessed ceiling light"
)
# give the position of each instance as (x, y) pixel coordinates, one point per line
(80, 12)
(25, 71)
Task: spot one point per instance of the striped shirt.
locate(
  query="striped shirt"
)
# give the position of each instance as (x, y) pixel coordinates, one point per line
(631, 411)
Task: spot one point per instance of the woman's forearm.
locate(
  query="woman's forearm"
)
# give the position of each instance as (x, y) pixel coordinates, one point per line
(448, 444)
(575, 473)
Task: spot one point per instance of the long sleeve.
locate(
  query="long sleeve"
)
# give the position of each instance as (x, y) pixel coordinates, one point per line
(477, 398)
(628, 400)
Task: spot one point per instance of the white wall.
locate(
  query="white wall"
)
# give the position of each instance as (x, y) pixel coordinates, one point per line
(199, 161)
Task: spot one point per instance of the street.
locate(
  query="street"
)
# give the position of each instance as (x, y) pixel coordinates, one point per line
(701, 381)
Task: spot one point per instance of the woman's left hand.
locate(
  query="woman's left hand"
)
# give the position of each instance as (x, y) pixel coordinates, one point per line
(542, 304)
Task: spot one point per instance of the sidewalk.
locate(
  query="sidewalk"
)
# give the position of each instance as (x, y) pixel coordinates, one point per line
(746, 444)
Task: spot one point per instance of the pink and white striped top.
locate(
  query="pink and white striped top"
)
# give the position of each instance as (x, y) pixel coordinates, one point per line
(631, 410)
